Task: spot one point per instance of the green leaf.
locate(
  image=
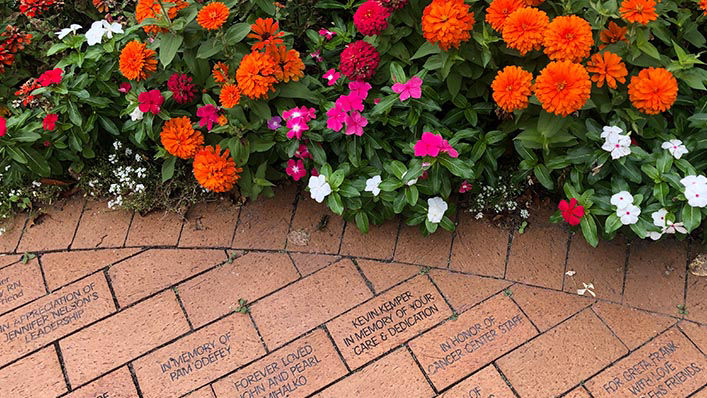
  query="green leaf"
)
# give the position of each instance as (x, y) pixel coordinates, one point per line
(168, 168)
(454, 84)
(36, 162)
(385, 104)
(397, 73)
(267, 6)
(543, 175)
(412, 195)
(297, 90)
(457, 167)
(691, 216)
(169, 45)
(425, 49)
(335, 204)
(209, 48)
(397, 168)
(589, 230)
(237, 32)
(336, 178)
(74, 114)
(613, 222)
(362, 221)
(108, 125)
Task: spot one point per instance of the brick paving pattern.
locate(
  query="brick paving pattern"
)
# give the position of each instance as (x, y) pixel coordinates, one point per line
(280, 298)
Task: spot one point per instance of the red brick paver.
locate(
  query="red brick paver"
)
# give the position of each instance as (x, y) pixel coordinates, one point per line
(280, 298)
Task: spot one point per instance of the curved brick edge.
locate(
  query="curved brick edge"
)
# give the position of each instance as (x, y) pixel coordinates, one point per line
(177, 287)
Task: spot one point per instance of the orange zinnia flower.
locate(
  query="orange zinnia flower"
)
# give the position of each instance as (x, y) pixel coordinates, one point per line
(220, 72)
(447, 22)
(654, 90)
(212, 16)
(524, 29)
(533, 3)
(288, 64)
(137, 61)
(511, 88)
(568, 38)
(151, 9)
(703, 6)
(613, 34)
(256, 75)
(607, 67)
(180, 139)
(563, 87)
(230, 96)
(639, 11)
(499, 10)
(265, 31)
(215, 171)
(222, 120)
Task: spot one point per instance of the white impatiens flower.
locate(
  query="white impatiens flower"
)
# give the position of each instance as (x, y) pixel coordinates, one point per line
(436, 209)
(695, 190)
(319, 188)
(622, 199)
(73, 28)
(675, 147)
(629, 214)
(659, 217)
(100, 29)
(667, 227)
(136, 114)
(616, 143)
(372, 185)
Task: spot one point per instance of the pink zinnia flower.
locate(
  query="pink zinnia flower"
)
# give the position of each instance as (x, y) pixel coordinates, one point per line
(302, 152)
(181, 86)
(336, 118)
(52, 76)
(371, 18)
(297, 126)
(295, 169)
(465, 187)
(411, 88)
(208, 115)
(125, 87)
(49, 122)
(331, 76)
(355, 122)
(327, 33)
(151, 101)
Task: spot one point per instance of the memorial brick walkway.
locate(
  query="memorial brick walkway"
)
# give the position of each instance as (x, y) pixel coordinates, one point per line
(276, 300)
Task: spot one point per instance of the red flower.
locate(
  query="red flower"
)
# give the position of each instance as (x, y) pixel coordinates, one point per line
(182, 88)
(50, 77)
(296, 169)
(125, 87)
(359, 61)
(371, 18)
(572, 212)
(3, 126)
(150, 101)
(49, 122)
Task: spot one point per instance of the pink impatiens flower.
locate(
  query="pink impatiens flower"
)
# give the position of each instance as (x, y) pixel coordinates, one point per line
(411, 88)
(350, 102)
(295, 169)
(297, 119)
(327, 33)
(355, 122)
(302, 152)
(335, 118)
(124, 87)
(331, 76)
(571, 211)
(465, 187)
(208, 115)
(359, 89)
(3, 126)
(296, 127)
(432, 144)
(150, 101)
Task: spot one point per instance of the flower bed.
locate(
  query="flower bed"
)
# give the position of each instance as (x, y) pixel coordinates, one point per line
(391, 107)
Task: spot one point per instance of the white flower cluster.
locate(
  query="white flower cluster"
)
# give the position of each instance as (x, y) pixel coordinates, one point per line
(625, 209)
(615, 142)
(695, 190)
(498, 199)
(128, 177)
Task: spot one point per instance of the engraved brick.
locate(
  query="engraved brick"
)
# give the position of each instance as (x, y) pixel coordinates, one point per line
(668, 366)
(198, 358)
(576, 349)
(218, 291)
(122, 337)
(205, 392)
(295, 370)
(485, 383)
(20, 284)
(63, 267)
(394, 375)
(117, 384)
(154, 270)
(36, 376)
(54, 316)
(459, 347)
(387, 321)
(309, 302)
